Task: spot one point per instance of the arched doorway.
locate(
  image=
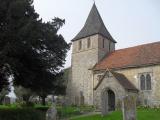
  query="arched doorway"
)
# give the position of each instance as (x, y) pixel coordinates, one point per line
(108, 101)
(111, 100)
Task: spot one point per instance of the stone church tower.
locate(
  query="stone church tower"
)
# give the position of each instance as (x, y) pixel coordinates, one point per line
(89, 46)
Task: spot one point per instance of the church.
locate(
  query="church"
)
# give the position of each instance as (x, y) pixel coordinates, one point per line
(100, 75)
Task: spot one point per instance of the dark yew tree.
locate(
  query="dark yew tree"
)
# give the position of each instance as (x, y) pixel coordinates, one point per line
(53, 85)
(4, 81)
(32, 49)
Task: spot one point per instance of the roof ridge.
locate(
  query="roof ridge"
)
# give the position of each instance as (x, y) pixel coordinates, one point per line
(145, 54)
(137, 46)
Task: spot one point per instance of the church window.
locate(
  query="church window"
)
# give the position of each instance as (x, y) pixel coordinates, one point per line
(145, 81)
(88, 42)
(80, 45)
(148, 81)
(103, 43)
(142, 82)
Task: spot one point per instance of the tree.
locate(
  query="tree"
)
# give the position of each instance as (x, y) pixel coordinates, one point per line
(3, 94)
(4, 83)
(54, 85)
(23, 94)
(30, 47)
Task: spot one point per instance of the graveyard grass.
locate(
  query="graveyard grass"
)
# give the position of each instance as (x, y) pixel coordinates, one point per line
(142, 114)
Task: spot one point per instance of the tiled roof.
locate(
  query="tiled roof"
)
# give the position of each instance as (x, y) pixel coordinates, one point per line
(141, 55)
(94, 25)
(124, 81)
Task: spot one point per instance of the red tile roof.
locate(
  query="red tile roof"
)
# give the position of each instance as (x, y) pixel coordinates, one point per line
(141, 55)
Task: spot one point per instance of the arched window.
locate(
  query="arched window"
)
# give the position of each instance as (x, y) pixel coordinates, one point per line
(142, 82)
(148, 81)
(88, 42)
(80, 45)
(103, 42)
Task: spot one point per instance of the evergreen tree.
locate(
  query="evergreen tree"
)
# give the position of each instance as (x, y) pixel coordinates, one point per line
(30, 47)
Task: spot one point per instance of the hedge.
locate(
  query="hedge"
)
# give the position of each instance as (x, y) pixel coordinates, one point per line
(21, 114)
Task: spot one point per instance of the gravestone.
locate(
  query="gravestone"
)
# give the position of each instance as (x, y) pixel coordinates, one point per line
(104, 103)
(7, 100)
(51, 113)
(129, 108)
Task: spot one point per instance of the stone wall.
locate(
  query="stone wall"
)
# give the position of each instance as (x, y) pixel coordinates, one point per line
(149, 97)
(82, 61)
(109, 47)
(68, 79)
(108, 83)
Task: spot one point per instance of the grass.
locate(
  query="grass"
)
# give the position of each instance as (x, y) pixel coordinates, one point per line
(148, 114)
(18, 112)
(71, 111)
(63, 111)
(142, 114)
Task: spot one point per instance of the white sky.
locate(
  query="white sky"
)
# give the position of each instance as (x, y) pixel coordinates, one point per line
(130, 22)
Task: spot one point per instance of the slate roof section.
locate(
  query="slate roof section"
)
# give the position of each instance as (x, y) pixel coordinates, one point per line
(142, 55)
(122, 79)
(94, 25)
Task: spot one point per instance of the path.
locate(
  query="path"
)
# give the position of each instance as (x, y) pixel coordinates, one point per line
(87, 114)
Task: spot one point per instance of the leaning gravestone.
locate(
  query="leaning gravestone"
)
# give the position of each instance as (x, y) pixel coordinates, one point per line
(129, 108)
(51, 113)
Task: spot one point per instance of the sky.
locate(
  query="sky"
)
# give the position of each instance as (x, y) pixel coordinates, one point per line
(130, 22)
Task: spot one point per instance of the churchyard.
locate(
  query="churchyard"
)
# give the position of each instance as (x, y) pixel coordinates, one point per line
(38, 112)
(142, 114)
(60, 110)
(32, 58)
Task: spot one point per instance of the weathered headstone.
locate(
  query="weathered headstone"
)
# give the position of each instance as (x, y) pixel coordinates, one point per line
(7, 100)
(129, 108)
(104, 103)
(51, 113)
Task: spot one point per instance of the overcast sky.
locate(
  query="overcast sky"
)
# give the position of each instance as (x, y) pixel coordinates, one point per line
(130, 22)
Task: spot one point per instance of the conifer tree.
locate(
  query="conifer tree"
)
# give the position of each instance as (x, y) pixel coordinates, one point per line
(32, 49)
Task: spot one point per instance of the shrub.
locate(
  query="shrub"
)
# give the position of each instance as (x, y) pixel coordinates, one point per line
(21, 114)
(28, 104)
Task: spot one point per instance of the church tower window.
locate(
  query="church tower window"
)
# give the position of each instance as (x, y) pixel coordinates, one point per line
(80, 45)
(88, 42)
